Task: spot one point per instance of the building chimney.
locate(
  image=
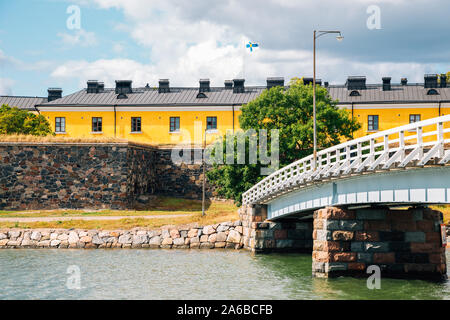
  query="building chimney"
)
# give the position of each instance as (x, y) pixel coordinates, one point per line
(386, 83)
(356, 83)
(123, 86)
(54, 93)
(204, 85)
(228, 84)
(238, 86)
(326, 84)
(92, 86)
(307, 81)
(443, 80)
(275, 82)
(164, 86)
(430, 81)
(404, 81)
(101, 87)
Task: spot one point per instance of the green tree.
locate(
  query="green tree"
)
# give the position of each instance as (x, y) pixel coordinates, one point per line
(291, 112)
(17, 121)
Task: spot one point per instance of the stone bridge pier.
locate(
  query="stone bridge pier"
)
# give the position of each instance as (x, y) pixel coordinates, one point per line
(343, 242)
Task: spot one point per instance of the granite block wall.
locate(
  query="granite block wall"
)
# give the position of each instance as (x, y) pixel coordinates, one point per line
(51, 176)
(403, 243)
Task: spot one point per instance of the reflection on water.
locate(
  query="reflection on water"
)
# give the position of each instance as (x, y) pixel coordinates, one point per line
(187, 274)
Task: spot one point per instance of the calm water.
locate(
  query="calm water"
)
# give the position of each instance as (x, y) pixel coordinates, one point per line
(184, 274)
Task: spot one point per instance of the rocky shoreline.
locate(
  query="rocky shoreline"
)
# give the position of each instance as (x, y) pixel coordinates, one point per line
(222, 235)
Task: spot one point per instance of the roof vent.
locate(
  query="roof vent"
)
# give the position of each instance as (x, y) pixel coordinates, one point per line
(326, 84)
(432, 92)
(354, 93)
(204, 85)
(430, 81)
(386, 83)
(92, 86)
(201, 95)
(275, 82)
(164, 86)
(307, 81)
(123, 86)
(238, 86)
(356, 83)
(54, 93)
(228, 84)
(147, 87)
(121, 96)
(404, 81)
(443, 80)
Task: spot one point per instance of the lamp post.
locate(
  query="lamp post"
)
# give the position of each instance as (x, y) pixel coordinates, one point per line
(204, 173)
(317, 34)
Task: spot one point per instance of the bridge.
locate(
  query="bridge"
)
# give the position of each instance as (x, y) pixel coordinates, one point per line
(351, 185)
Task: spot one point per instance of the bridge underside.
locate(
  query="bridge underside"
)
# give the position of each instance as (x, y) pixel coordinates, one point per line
(405, 243)
(424, 186)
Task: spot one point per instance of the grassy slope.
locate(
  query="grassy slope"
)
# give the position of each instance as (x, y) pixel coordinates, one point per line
(216, 212)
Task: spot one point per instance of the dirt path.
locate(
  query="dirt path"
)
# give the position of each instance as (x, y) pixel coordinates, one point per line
(49, 219)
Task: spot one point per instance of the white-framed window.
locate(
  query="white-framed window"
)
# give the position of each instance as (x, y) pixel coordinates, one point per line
(60, 124)
(372, 123)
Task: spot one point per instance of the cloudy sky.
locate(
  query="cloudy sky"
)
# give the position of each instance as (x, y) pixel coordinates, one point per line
(41, 44)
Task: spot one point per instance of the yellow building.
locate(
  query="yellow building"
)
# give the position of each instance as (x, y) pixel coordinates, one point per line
(169, 115)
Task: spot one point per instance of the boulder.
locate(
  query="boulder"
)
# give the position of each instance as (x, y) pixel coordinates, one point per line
(14, 234)
(234, 237)
(212, 238)
(63, 237)
(178, 241)
(221, 237)
(155, 242)
(125, 239)
(167, 241)
(73, 237)
(192, 233)
(174, 233)
(208, 230)
(54, 243)
(85, 239)
(97, 240)
(140, 239)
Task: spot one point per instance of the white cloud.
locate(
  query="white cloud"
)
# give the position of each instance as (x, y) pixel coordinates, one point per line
(79, 37)
(6, 86)
(188, 40)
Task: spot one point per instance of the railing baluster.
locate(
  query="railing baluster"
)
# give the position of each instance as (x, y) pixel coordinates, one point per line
(302, 172)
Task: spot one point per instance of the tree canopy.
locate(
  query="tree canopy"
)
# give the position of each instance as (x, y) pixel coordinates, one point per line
(17, 121)
(291, 112)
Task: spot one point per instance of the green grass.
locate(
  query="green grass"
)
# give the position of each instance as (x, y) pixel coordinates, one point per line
(216, 212)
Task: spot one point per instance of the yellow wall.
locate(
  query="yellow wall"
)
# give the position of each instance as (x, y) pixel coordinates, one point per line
(155, 124)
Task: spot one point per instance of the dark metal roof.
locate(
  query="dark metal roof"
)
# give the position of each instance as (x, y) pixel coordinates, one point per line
(26, 103)
(151, 97)
(398, 94)
(188, 96)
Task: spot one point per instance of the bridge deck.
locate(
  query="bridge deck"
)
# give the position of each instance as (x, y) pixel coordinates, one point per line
(406, 165)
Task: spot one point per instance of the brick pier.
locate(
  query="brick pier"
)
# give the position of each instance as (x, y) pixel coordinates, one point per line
(403, 243)
(343, 242)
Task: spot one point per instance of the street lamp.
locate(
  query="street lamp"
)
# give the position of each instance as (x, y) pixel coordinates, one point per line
(204, 173)
(317, 34)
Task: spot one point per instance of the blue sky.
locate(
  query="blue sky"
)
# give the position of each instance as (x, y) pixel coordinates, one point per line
(188, 40)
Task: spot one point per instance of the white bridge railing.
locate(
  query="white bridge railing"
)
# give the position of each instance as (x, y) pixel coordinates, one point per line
(415, 144)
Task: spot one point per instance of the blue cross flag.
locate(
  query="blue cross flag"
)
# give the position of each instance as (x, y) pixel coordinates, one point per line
(252, 45)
